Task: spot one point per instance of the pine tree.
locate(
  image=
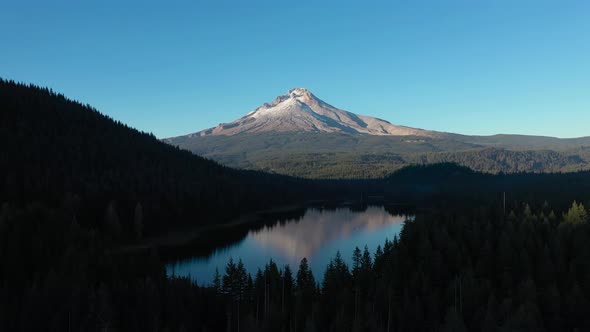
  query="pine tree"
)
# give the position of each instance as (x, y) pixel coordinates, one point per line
(366, 261)
(217, 280)
(305, 279)
(228, 281)
(241, 280)
(356, 262)
(577, 214)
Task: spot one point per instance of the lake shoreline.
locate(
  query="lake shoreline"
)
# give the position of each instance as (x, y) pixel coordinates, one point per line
(179, 244)
(181, 237)
(318, 233)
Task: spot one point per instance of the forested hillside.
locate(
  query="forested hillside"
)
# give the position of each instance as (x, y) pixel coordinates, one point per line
(356, 165)
(336, 156)
(58, 152)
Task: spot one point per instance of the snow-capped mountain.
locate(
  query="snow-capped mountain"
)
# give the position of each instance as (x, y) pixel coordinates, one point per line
(299, 134)
(299, 110)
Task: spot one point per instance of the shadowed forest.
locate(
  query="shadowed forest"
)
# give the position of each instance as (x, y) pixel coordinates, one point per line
(336, 156)
(503, 252)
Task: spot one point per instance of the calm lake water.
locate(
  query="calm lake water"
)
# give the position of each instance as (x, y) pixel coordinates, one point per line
(318, 235)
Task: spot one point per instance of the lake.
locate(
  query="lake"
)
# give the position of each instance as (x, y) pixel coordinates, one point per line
(318, 235)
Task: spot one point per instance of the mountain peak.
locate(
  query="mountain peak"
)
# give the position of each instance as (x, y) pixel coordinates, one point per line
(299, 92)
(302, 94)
(301, 111)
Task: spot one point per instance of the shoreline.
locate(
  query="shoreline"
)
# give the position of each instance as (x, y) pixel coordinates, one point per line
(175, 245)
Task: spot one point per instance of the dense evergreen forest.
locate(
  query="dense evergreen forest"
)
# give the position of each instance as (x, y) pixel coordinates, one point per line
(472, 269)
(59, 152)
(76, 186)
(356, 156)
(340, 164)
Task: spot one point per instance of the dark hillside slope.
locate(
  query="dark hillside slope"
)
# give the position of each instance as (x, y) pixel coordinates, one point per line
(444, 184)
(59, 152)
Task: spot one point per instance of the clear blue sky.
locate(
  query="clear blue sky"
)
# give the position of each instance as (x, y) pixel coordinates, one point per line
(167, 67)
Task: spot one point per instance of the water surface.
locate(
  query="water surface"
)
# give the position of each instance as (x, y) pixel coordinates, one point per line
(318, 235)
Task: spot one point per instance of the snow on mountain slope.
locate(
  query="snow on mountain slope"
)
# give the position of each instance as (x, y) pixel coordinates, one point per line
(300, 110)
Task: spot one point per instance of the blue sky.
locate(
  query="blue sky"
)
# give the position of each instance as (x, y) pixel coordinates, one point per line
(169, 67)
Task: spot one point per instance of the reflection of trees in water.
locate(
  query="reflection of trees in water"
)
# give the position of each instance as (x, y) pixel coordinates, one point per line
(220, 239)
(318, 227)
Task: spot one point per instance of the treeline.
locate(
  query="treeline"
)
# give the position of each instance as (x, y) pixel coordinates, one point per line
(375, 165)
(493, 160)
(527, 271)
(446, 184)
(453, 269)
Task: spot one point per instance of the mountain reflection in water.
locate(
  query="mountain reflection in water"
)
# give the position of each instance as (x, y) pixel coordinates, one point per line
(296, 240)
(318, 235)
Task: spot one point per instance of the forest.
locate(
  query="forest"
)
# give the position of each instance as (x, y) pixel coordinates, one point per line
(358, 165)
(482, 271)
(336, 156)
(486, 252)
